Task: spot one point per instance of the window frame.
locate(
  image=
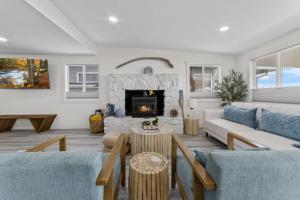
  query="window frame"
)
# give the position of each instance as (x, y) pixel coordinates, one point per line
(79, 73)
(278, 73)
(212, 94)
(279, 69)
(84, 83)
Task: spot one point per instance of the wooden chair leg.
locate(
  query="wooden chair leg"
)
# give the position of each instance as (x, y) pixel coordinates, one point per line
(198, 189)
(123, 165)
(63, 144)
(108, 189)
(174, 161)
(230, 142)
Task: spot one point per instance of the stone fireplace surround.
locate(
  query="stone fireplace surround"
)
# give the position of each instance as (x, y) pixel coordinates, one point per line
(118, 83)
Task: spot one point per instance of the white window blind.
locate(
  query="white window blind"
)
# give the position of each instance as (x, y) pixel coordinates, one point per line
(266, 71)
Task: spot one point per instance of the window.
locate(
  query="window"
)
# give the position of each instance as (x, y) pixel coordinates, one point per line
(203, 78)
(266, 71)
(291, 67)
(82, 82)
(280, 69)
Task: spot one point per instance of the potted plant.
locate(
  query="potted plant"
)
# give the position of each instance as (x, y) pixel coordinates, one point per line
(232, 88)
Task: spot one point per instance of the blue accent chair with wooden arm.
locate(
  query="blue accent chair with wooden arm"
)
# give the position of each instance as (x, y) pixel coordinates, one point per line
(35, 175)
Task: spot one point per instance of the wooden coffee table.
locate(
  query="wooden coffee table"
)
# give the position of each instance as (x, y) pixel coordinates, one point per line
(158, 141)
(148, 177)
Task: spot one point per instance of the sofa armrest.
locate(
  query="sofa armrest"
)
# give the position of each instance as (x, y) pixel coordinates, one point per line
(62, 144)
(105, 177)
(213, 114)
(232, 136)
(201, 177)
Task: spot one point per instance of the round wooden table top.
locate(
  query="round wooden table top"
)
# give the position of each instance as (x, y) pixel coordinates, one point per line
(161, 130)
(148, 163)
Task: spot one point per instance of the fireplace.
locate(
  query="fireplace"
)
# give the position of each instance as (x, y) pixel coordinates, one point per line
(144, 106)
(144, 103)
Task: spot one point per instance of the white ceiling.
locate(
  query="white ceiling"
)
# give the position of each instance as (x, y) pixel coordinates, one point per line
(169, 24)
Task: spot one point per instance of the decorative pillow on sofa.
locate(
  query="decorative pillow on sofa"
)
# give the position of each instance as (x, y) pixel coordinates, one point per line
(201, 156)
(281, 124)
(242, 116)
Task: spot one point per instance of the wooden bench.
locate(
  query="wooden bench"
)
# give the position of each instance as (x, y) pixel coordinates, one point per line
(40, 123)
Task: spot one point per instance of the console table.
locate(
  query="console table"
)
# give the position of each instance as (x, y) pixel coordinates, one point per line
(40, 123)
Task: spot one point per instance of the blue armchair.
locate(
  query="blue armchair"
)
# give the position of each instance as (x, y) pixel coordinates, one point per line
(34, 175)
(236, 175)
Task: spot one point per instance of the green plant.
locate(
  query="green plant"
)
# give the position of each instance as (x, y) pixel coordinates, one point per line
(232, 88)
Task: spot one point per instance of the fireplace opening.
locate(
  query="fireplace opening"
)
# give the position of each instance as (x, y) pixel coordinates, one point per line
(144, 103)
(144, 106)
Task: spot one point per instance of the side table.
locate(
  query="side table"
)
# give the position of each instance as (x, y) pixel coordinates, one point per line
(148, 177)
(158, 141)
(191, 126)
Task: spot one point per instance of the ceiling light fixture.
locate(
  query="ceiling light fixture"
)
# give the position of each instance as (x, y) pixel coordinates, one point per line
(224, 28)
(2, 39)
(113, 19)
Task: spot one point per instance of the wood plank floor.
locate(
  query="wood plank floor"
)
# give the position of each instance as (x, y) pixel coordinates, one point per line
(83, 140)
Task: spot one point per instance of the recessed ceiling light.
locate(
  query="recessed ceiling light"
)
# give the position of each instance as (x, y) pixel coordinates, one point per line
(224, 28)
(2, 39)
(113, 19)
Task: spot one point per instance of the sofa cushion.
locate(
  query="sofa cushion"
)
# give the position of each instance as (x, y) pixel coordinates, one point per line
(254, 175)
(281, 124)
(50, 176)
(221, 127)
(242, 116)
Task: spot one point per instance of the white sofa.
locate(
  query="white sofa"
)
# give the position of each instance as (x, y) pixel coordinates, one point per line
(216, 126)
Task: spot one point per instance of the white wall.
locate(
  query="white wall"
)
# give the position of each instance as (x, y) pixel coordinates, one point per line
(75, 115)
(285, 95)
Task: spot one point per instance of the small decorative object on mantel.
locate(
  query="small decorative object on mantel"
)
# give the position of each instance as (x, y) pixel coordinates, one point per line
(174, 112)
(111, 109)
(148, 70)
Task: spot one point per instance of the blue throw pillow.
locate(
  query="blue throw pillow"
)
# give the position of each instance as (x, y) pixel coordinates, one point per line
(281, 124)
(242, 116)
(201, 156)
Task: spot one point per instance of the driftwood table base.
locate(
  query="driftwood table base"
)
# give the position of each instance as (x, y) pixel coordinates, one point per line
(148, 177)
(151, 141)
(40, 123)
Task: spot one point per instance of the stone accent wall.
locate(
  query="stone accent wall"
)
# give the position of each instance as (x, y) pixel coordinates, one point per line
(124, 125)
(118, 83)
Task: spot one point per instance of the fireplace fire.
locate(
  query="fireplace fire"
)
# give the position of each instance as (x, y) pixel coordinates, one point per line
(144, 103)
(144, 106)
